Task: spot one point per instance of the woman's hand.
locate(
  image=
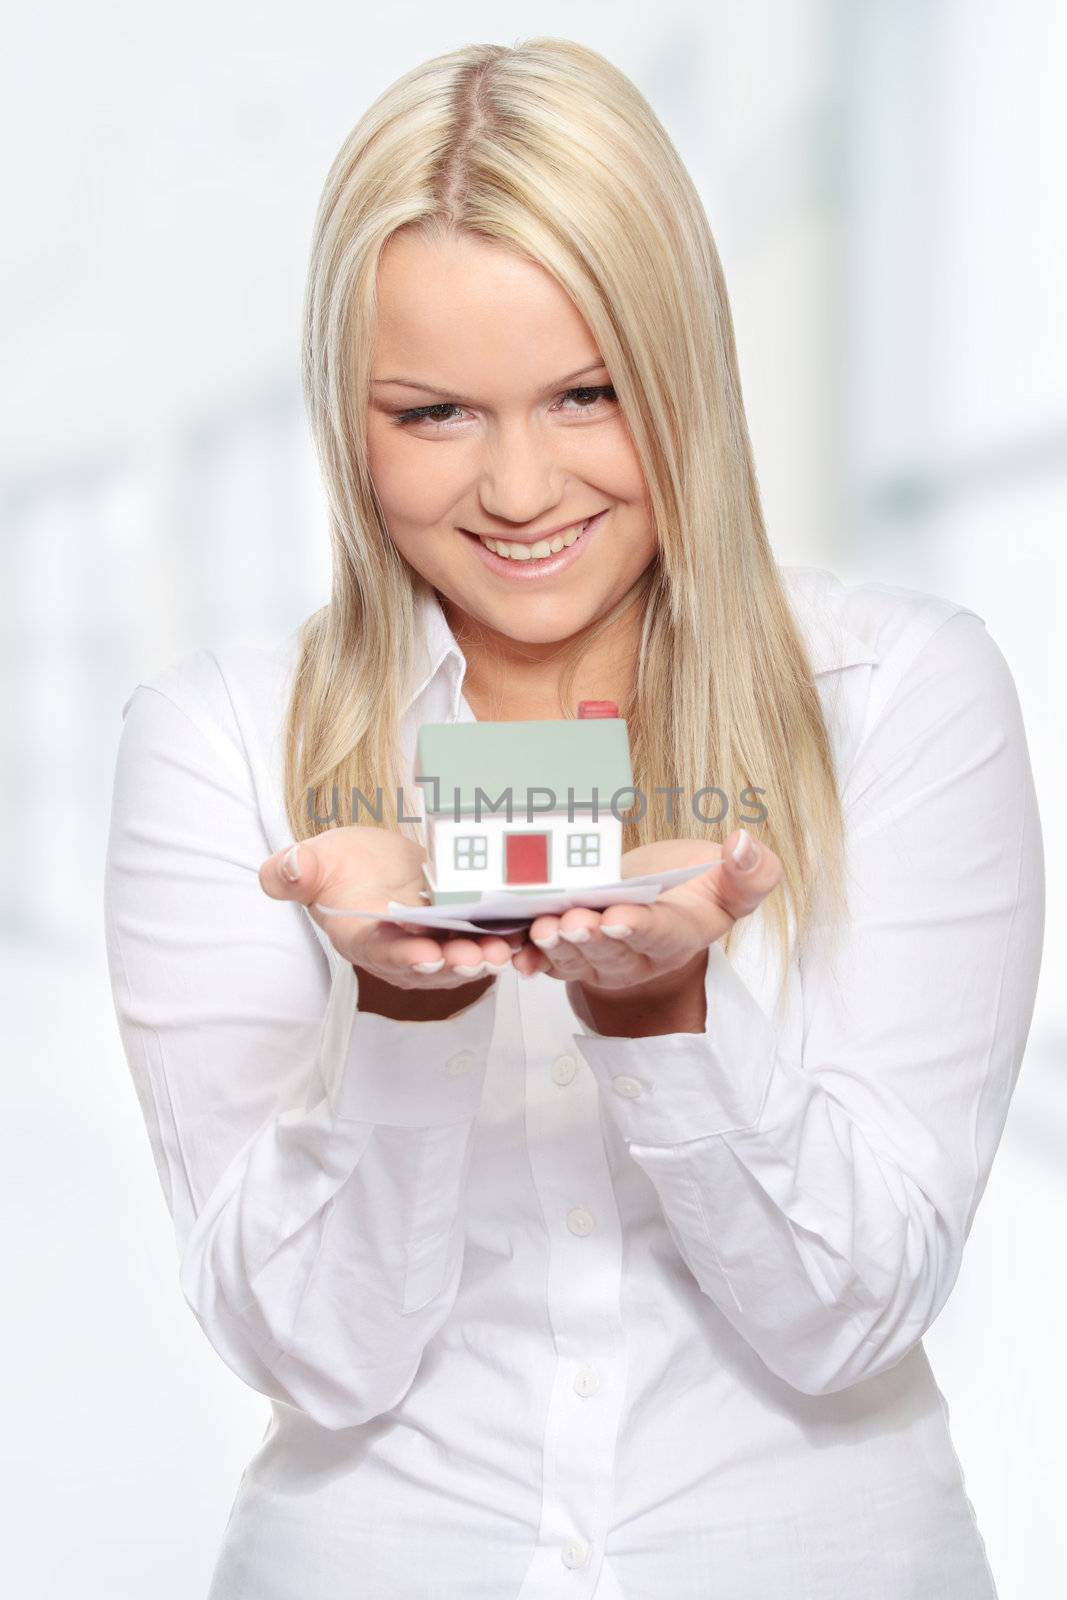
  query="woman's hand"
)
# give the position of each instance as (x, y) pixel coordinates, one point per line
(365, 868)
(661, 958)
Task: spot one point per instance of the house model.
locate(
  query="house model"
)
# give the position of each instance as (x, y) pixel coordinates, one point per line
(567, 771)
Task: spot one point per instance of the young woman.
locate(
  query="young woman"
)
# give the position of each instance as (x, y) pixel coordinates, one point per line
(598, 1262)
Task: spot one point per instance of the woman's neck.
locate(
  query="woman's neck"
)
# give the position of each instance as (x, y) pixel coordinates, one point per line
(509, 681)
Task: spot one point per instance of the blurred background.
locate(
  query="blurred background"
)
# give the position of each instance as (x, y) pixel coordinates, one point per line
(884, 182)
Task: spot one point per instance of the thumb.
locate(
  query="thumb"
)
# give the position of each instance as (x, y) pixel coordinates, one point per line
(294, 873)
(749, 872)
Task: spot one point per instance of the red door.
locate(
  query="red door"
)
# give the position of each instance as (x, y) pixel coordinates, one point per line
(526, 858)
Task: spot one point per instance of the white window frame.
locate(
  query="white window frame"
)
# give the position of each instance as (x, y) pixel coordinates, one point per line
(474, 854)
(579, 846)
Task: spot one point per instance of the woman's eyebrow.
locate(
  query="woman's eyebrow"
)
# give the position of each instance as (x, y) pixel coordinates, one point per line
(450, 394)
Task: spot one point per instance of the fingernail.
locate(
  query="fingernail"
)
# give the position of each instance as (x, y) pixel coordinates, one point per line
(746, 851)
(574, 935)
(547, 944)
(616, 930)
(470, 972)
(491, 966)
(428, 966)
(290, 864)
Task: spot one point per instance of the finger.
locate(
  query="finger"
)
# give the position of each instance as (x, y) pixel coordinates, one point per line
(629, 925)
(576, 946)
(543, 931)
(574, 926)
(644, 935)
(578, 925)
(561, 956)
(399, 957)
(602, 954)
(612, 962)
(525, 957)
(398, 952)
(386, 947)
(612, 970)
(564, 947)
(529, 961)
(495, 949)
(492, 948)
(294, 873)
(748, 874)
(301, 872)
(494, 953)
(473, 957)
(567, 964)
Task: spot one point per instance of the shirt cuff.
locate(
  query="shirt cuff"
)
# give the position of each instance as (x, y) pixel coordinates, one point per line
(672, 1087)
(404, 1074)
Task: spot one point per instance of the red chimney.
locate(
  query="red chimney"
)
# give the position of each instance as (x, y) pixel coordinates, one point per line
(597, 708)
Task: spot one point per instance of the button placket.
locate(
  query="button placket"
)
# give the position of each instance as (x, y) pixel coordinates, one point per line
(563, 1070)
(580, 1221)
(586, 1382)
(575, 1553)
(572, 1179)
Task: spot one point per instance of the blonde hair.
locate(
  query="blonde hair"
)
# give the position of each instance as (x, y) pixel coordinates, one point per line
(548, 149)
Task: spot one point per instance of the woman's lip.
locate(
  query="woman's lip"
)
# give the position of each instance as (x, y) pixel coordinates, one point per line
(546, 567)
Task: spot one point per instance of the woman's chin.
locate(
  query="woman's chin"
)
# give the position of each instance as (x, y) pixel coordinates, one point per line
(536, 619)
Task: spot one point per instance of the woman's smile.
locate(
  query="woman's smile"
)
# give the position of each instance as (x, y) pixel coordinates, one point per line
(527, 563)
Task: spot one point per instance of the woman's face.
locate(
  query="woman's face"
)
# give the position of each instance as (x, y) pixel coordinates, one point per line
(523, 437)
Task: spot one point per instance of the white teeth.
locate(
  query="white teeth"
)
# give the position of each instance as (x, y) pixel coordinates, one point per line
(538, 551)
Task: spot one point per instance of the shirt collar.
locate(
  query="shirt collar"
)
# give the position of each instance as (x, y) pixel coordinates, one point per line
(819, 603)
(817, 598)
(436, 649)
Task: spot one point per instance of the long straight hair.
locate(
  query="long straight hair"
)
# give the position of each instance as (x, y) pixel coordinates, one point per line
(548, 149)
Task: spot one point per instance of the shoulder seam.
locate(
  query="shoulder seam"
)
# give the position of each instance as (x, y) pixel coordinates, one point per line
(906, 651)
(203, 723)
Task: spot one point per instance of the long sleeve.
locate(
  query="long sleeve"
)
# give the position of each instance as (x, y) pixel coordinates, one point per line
(313, 1157)
(823, 1203)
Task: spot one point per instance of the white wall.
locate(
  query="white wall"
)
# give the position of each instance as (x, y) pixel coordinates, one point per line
(607, 830)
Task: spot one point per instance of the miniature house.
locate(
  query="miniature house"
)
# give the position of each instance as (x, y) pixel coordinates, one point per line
(564, 781)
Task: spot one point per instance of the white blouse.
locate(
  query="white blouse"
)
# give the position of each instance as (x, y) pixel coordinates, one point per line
(545, 1313)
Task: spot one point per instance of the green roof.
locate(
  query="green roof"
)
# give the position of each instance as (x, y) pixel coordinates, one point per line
(583, 753)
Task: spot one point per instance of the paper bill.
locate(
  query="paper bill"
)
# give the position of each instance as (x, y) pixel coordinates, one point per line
(506, 912)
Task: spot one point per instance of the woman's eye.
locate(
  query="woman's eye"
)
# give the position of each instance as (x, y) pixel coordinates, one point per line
(437, 416)
(425, 413)
(598, 391)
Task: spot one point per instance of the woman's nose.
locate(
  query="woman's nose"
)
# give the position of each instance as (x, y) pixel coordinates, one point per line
(521, 477)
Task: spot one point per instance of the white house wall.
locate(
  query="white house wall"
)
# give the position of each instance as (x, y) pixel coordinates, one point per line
(444, 831)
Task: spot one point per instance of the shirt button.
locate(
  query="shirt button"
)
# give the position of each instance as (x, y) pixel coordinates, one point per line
(563, 1069)
(580, 1221)
(575, 1553)
(629, 1087)
(462, 1061)
(586, 1382)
